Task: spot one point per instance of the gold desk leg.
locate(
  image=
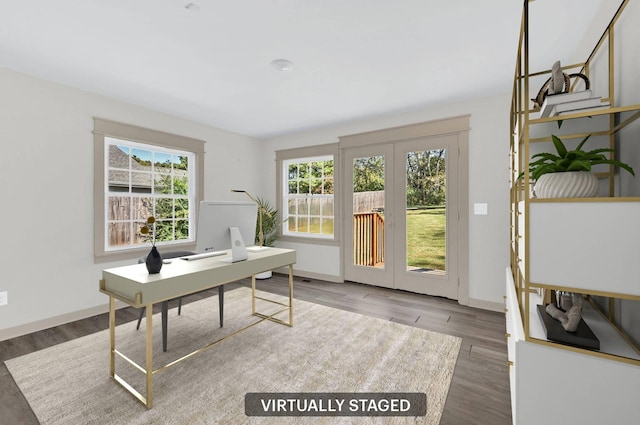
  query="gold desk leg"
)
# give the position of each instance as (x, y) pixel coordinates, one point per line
(253, 294)
(290, 294)
(149, 361)
(112, 336)
(288, 306)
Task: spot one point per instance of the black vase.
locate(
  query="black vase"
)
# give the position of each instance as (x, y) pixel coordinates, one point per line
(154, 261)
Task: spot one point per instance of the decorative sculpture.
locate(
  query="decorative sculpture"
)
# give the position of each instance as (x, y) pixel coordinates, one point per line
(559, 82)
(570, 317)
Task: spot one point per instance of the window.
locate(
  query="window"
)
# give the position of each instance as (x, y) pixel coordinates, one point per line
(144, 180)
(309, 197)
(139, 173)
(306, 180)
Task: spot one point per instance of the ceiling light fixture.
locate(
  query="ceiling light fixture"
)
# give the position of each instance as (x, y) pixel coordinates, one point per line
(191, 6)
(283, 65)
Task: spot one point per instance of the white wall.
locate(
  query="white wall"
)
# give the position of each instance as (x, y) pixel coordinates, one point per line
(47, 264)
(488, 183)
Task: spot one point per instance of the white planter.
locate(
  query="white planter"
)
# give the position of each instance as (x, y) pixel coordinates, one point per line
(264, 275)
(573, 184)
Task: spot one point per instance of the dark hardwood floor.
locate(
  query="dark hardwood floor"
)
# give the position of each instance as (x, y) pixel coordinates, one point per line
(479, 392)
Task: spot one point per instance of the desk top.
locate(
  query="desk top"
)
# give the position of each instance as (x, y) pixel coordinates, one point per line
(135, 286)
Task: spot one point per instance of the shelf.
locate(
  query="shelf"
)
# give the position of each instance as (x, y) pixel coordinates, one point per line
(581, 245)
(611, 342)
(586, 114)
(566, 247)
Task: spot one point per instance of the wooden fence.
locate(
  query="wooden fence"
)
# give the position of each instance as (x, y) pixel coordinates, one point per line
(368, 201)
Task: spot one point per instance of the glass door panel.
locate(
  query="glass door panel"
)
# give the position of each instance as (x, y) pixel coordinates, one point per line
(368, 211)
(426, 229)
(426, 211)
(368, 252)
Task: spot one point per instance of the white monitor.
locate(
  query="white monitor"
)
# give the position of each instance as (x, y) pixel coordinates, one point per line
(216, 218)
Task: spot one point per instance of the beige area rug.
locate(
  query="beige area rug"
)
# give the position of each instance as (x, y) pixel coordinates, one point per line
(327, 350)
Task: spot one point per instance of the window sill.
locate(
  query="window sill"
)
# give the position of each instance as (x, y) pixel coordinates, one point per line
(309, 240)
(134, 253)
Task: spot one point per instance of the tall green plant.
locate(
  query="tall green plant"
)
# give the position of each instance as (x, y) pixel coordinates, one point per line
(570, 160)
(270, 222)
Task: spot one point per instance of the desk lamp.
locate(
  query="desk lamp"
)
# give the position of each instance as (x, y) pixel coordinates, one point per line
(261, 210)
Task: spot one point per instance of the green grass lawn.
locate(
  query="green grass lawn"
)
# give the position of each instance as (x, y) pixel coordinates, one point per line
(426, 242)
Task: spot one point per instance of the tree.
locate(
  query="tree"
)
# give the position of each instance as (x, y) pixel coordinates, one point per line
(172, 213)
(368, 174)
(426, 177)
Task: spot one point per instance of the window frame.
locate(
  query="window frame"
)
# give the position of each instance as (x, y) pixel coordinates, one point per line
(304, 153)
(129, 133)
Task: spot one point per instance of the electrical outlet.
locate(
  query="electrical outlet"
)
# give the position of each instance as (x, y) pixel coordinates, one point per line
(4, 298)
(480, 209)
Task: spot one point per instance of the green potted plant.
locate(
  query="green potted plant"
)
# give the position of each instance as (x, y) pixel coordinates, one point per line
(270, 222)
(567, 174)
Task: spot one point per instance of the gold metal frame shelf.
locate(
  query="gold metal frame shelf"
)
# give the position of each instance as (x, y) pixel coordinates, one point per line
(611, 120)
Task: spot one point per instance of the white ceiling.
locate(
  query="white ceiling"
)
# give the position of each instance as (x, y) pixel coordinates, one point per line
(352, 58)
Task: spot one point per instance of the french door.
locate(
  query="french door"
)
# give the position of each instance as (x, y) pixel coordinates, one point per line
(401, 215)
(368, 221)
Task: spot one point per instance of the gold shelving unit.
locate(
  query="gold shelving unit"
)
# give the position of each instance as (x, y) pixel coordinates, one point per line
(530, 133)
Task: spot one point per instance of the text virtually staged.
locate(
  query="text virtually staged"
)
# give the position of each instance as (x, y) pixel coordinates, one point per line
(336, 404)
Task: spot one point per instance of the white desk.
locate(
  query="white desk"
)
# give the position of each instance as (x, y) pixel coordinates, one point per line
(134, 286)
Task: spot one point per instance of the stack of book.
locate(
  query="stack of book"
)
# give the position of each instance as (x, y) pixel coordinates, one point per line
(570, 103)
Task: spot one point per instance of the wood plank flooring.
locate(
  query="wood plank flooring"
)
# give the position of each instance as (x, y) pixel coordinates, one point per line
(479, 392)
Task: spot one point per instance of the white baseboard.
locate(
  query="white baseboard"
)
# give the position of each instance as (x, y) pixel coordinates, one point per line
(312, 275)
(476, 303)
(50, 322)
(486, 305)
